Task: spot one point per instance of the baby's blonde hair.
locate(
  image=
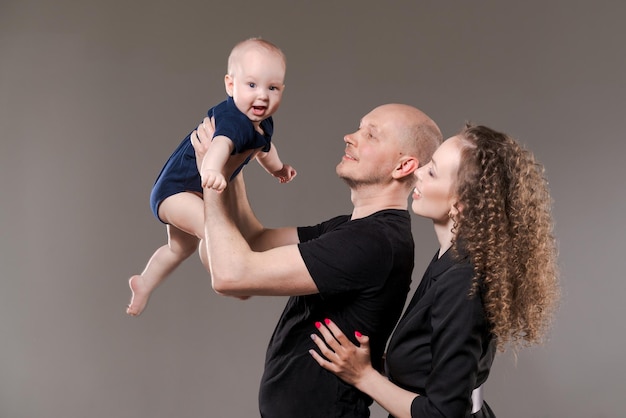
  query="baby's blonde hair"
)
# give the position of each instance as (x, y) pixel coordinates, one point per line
(253, 43)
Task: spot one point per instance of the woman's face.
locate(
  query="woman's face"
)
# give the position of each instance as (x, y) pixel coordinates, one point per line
(433, 196)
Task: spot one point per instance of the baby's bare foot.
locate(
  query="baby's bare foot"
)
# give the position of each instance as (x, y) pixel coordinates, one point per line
(140, 296)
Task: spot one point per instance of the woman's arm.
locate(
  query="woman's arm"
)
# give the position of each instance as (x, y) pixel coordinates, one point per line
(353, 365)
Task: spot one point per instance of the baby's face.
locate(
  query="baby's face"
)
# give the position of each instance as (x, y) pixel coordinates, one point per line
(257, 83)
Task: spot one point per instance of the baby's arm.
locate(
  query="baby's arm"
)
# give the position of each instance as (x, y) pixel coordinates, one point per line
(271, 162)
(212, 172)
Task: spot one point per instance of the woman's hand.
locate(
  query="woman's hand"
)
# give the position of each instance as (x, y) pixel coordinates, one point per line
(340, 356)
(353, 365)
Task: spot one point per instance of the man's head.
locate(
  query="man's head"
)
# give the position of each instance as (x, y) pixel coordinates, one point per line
(392, 141)
(256, 78)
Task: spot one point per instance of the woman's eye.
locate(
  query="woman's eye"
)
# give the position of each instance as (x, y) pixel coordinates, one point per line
(251, 85)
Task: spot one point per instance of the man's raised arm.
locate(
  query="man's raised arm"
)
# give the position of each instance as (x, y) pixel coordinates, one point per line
(275, 268)
(258, 237)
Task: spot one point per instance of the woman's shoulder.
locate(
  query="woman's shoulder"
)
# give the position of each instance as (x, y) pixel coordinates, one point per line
(454, 275)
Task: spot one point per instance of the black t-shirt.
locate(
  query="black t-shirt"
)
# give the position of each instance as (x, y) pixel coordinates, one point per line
(362, 269)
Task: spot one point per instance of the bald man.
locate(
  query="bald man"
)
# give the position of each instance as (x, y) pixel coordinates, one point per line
(354, 269)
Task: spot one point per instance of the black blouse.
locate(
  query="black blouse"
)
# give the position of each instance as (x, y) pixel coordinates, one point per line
(442, 348)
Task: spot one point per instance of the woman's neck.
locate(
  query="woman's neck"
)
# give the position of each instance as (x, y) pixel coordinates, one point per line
(445, 236)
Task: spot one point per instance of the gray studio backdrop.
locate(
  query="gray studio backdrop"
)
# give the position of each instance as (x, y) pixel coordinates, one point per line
(94, 95)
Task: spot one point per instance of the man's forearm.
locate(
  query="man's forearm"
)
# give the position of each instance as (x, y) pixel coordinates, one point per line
(258, 237)
(236, 270)
(227, 250)
(241, 212)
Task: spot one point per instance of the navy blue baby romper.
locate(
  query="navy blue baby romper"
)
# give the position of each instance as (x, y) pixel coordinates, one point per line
(180, 172)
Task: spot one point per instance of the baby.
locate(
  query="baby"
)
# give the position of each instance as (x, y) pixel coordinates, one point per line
(243, 130)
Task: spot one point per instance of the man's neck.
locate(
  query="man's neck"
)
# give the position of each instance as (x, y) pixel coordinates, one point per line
(368, 200)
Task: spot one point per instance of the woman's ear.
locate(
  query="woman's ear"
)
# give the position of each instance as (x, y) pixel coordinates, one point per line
(406, 167)
(228, 84)
(455, 208)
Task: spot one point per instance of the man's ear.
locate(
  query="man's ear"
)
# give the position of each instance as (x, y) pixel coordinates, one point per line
(406, 167)
(228, 84)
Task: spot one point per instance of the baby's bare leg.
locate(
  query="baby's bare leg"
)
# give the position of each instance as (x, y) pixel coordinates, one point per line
(183, 213)
(164, 260)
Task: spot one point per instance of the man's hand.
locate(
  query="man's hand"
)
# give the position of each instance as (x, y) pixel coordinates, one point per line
(201, 139)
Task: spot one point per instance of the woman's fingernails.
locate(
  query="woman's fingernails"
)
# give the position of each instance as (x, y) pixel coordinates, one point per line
(318, 324)
(327, 321)
(358, 334)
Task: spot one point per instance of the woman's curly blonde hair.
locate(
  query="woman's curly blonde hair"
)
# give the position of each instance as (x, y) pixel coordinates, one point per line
(506, 226)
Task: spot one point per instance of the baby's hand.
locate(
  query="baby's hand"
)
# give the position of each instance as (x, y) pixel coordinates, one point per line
(285, 174)
(213, 179)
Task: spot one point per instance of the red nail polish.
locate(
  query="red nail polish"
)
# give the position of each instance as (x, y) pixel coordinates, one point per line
(318, 324)
(327, 321)
(358, 334)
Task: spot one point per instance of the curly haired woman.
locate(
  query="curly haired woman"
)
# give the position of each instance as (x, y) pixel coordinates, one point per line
(492, 285)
